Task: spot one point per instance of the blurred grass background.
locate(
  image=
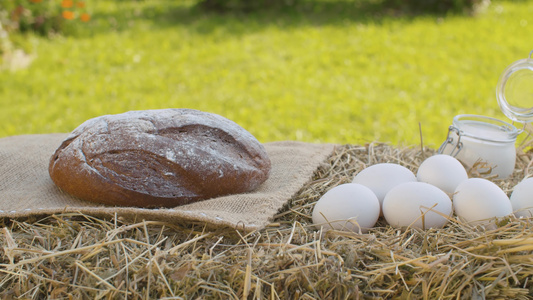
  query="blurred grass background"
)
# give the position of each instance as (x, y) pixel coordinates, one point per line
(322, 71)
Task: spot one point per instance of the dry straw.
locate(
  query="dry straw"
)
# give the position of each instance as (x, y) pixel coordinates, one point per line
(77, 256)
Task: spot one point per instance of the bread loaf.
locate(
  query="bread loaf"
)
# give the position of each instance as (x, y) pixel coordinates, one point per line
(158, 158)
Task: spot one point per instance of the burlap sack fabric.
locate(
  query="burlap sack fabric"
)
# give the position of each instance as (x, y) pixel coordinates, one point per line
(26, 188)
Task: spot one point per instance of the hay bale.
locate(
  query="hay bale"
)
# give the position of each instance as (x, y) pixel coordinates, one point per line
(76, 256)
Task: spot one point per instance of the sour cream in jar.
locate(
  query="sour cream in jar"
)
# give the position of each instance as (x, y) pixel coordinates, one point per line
(487, 141)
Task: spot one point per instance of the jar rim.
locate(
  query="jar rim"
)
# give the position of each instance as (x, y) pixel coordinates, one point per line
(513, 112)
(496, 129)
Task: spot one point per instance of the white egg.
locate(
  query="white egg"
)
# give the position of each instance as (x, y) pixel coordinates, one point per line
(478, 201)
(442, 171)
(381, 178)
(522, 198)
(417, 204)
(349, 207)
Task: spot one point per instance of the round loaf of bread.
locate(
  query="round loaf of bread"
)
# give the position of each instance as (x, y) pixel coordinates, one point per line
(158, 158)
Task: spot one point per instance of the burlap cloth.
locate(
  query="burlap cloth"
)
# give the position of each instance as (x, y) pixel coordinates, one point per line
(26, 188)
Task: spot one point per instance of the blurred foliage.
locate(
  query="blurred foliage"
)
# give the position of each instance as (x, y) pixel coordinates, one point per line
(41, 17)
(438, 6)
(244, 5)
(324, 71)
(404, 6)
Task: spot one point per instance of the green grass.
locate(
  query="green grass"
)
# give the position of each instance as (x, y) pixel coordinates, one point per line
(326, 71)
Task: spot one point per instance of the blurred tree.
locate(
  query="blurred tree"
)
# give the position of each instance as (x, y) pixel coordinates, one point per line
(407, 6)
(438, 6)
(244, 5)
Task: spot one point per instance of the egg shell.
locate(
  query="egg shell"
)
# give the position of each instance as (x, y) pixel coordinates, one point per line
(478, 201)
(417, 204)
(348, 207)
(381, 178)
(442, 171)
(522, 198)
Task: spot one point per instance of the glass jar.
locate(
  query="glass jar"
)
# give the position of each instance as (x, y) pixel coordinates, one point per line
(515, 90)
(488, 144)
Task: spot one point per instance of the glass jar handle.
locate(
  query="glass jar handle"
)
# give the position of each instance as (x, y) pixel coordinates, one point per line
(449, 140)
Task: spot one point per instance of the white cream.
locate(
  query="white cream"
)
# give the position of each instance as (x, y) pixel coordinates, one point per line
(486, 140)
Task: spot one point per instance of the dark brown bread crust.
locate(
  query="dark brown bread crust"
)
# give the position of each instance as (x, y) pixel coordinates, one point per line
(158, 158)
